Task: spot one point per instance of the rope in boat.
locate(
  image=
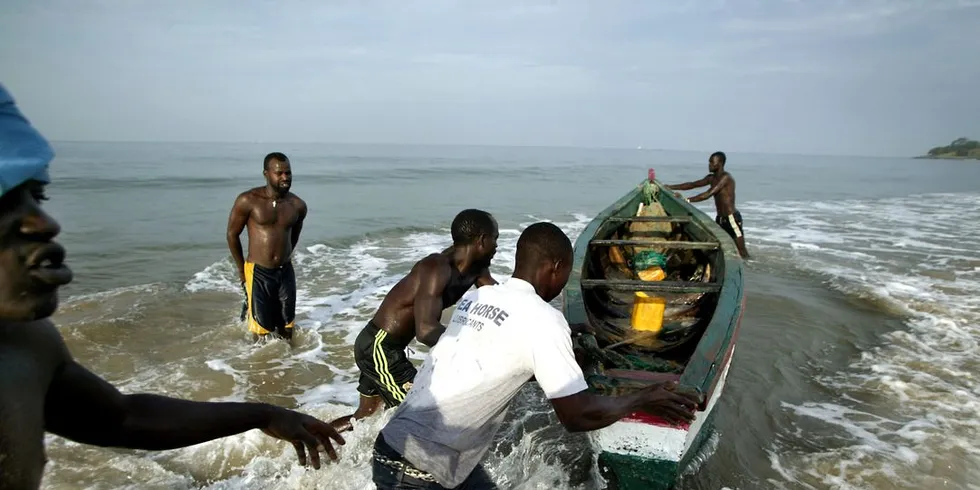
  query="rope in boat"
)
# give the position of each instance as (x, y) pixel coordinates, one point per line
(615, 386)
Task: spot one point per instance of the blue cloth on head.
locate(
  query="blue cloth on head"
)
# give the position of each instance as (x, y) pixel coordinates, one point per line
(24, 153)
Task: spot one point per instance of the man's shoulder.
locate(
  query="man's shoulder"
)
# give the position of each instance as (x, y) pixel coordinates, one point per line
(553, 321)
(433, 261)
(527, 308)
(297, 200)
(40, 337)
(248, 195)
(433, 264)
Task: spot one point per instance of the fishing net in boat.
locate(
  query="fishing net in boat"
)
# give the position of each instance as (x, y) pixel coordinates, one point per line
(649, 192)
(647, 259)
(626, 361)
(607, 386)
(617, 386)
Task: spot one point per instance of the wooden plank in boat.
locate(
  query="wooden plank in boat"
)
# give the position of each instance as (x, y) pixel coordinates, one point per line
(650, 219)
(656, 286)
(658, 243)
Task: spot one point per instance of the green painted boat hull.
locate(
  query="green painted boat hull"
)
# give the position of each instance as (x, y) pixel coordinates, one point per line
(655, 453)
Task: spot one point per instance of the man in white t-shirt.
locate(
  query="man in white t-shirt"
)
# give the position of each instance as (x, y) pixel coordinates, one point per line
(498, 339)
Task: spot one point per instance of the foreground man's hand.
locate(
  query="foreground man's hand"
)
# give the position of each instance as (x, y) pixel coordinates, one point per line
(670, 401)
(306, 433)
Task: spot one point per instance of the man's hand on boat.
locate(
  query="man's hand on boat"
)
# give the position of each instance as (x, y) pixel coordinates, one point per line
(671, 401)
(585, 411)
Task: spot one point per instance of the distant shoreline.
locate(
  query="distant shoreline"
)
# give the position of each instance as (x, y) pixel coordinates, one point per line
(959, 149)
(950, 157)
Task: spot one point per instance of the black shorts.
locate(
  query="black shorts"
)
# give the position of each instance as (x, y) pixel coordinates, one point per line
(385, 369)
(271, 298)
(731, 224)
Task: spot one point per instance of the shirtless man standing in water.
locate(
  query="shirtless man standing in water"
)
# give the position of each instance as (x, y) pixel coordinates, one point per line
(723, 189)
(43, 389)
(274, 219)
(413, 309)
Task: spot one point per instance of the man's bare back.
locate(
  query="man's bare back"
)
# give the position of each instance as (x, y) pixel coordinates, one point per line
(397, 313)
(274, 219)
(725, 196)
(413, 309)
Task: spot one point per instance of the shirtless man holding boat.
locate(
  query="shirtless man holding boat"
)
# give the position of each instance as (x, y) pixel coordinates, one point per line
(412, 309)
(274, 219)
(43, 389)
(723, 190)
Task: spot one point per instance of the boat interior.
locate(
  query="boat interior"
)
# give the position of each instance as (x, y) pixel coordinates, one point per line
(692, 265)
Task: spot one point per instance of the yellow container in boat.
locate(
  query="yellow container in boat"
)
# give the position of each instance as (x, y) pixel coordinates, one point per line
(652, 274)
(648, 312)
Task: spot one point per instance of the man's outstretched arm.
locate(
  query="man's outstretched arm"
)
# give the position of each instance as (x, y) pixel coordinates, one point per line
(557, 372)
(236, 224)
(83, 407)
(585, 411)
(690, 185)
(719, 185)
(433, 279)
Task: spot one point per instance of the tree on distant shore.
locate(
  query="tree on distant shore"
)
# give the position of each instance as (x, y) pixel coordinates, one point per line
(960, 147)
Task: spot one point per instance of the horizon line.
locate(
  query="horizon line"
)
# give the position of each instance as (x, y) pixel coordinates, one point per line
(489, 145)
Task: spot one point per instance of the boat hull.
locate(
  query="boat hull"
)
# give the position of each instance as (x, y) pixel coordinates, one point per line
(639, 453)
(642, 451)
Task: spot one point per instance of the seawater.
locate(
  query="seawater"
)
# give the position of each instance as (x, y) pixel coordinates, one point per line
(856, 367)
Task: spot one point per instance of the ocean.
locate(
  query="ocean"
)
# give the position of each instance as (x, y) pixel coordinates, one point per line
(858, 364)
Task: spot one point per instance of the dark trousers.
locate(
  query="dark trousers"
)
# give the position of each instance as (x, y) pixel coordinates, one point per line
(387, 477)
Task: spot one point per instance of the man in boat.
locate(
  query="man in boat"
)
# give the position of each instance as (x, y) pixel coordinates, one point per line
(723, 190)
(43, 389)
(498, 339)
(413, 309)
(274, 219)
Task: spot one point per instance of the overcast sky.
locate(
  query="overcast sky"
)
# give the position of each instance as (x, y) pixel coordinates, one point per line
(859, 77)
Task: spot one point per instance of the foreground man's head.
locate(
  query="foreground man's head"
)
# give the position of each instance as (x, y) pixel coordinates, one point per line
(31, 263)
(544, 259)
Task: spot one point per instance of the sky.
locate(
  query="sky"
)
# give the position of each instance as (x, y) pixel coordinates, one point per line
(855, 77)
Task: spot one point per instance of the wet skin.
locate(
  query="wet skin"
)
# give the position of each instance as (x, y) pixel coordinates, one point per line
(722, 188)
(43, 389)
(274, 219)
(413, 307)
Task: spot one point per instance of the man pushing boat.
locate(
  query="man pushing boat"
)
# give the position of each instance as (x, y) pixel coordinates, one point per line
(413, 308)
(498, 339)
(274, 219)
(723, 190)
(43, 389)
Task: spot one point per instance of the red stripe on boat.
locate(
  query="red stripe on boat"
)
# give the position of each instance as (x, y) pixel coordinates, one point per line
(645, 418)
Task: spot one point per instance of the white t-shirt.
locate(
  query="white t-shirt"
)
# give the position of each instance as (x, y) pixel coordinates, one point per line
(497, 339)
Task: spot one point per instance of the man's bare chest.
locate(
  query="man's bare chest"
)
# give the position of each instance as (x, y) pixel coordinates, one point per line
(283, 215)
(22, 393)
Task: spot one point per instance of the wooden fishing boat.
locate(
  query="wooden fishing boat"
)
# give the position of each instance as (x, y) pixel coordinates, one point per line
(703, 299)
